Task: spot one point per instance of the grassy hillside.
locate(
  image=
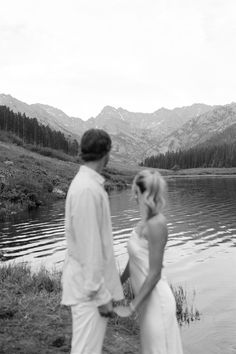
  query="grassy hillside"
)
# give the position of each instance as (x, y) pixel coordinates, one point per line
(28, 179)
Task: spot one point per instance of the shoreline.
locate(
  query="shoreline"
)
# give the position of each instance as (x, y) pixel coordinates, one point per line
(232, 175)
(29, 180)
(201, 172)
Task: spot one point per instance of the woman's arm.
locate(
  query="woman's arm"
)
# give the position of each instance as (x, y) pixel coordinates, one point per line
(125, 274)
(157, 237)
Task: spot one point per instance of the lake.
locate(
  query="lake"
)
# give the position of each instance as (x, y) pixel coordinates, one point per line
(200, 255)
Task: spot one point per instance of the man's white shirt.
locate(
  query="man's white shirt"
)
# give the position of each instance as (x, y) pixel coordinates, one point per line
(89, 271)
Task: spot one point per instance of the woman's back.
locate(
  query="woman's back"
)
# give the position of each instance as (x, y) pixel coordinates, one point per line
(158, 326)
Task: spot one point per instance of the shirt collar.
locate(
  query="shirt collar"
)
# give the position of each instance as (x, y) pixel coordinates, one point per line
(93, 174)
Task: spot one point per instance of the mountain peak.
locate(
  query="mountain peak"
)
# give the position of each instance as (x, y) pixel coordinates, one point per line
(108, 109)
(5, 95)
(162, 110)
(9, 98)
(109, 112)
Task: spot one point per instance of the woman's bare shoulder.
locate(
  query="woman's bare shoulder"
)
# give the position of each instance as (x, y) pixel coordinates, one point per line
(157, 220)
(157, 226)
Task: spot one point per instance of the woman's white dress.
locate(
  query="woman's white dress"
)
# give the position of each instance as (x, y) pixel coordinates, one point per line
(159, 329)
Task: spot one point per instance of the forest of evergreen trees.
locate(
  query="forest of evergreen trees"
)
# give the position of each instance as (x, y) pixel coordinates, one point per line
(223, 155)
(34, 133)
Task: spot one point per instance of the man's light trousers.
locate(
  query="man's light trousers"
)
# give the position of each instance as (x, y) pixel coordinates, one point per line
(88, 329)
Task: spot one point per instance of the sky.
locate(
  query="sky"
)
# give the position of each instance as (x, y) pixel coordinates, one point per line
(141, 55)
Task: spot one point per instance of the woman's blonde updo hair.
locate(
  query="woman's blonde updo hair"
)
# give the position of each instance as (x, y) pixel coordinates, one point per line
(152, 186)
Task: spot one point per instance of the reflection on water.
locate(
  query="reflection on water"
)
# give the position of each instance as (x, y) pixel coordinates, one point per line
(201, 253)
(38, 235)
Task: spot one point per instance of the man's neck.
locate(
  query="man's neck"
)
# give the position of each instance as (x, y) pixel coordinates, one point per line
(95, 165)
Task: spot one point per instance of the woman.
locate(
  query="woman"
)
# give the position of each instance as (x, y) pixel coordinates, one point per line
(154, 301)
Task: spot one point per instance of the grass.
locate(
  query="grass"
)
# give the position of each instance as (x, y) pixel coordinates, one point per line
(11, 138)
(32, 321)
(31, 318)
(185, 309)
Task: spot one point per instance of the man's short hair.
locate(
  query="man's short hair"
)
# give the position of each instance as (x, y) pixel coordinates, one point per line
(95, 143)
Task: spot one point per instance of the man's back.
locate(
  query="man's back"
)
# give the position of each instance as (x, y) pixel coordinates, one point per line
(89, 241)
(90, 280)
(86, 185)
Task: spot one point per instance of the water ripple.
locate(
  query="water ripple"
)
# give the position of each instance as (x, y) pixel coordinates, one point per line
(201, 246)
(199, 215)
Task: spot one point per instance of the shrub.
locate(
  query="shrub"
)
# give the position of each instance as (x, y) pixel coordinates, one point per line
(48, 186)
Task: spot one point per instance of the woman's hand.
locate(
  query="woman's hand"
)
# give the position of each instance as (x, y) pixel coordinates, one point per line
(125, 275)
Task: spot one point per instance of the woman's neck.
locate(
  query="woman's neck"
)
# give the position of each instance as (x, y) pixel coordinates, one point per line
(143, 213)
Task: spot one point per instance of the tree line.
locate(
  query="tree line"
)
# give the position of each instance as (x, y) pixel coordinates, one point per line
(34, 133)
(223, 155)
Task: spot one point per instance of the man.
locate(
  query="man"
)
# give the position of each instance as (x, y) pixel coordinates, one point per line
(90, 279)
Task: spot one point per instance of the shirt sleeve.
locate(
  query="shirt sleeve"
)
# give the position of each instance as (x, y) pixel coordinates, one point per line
(87, 226)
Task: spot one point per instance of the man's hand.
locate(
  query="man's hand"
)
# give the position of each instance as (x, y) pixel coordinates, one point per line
(106, 310)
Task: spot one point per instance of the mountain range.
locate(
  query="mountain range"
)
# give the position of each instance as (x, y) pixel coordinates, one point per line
(136, 135)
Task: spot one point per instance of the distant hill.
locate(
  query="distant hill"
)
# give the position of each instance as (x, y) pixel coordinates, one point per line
(136, 135)
(126, 143)
(155, 125)
(200, 129)
(227, 136)
(45, 114)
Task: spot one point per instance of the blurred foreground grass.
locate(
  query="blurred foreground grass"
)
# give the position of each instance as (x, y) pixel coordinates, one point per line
(32, 321)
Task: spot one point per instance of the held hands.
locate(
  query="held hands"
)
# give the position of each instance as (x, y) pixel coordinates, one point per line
(124, 311)
(106, 310)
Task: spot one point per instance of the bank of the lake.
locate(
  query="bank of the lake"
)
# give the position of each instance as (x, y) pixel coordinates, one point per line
(32, 321)
(29, 180)
(202, 238)
(206, 171)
